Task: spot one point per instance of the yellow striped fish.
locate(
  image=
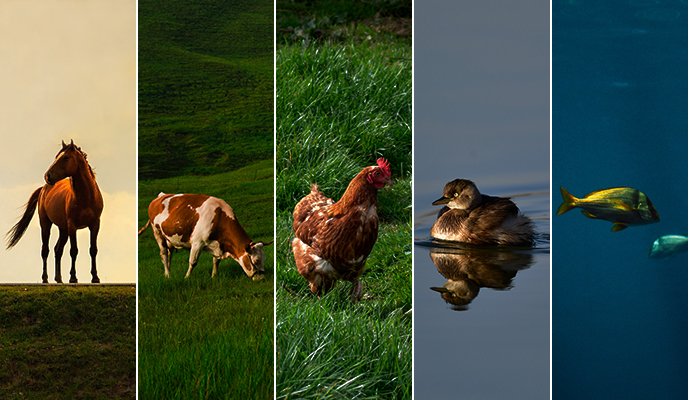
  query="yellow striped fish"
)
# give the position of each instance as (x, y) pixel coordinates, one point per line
(621, 205)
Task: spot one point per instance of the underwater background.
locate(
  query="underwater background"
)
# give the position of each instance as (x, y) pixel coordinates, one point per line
(619, 119)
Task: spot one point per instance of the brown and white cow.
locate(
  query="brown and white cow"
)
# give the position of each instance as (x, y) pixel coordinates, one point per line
(200, 222)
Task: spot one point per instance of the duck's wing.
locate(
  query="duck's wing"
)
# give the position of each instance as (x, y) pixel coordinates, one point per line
(493, 212)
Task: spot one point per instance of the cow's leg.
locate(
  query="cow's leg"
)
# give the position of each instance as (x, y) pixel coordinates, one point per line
(216, 261)
(59, 247)
(164, 250)
(193, 258)
(73, 251)
(93, 250)
(45, 249)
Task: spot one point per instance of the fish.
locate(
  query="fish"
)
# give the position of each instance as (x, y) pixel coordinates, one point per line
(621, 205)
(668, 245)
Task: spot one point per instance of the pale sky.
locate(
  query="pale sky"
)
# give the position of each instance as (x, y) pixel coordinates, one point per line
(68, 71)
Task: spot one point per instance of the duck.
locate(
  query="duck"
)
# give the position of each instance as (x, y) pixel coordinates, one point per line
(474, 218)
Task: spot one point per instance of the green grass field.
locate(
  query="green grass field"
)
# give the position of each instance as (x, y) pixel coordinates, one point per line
(205, 86)
(202, 337)
(341, 104)
(67, 342)
(206, 126)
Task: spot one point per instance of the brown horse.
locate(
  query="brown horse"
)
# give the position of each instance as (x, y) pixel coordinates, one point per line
(71, 200)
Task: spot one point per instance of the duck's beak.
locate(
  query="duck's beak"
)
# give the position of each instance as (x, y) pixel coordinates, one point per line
(441, 201)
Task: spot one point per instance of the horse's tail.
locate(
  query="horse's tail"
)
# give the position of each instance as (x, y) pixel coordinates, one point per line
(17, 231)
(144, 228)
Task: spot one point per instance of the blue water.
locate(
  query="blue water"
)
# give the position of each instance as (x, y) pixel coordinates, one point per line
(619, 119)
(482, 113)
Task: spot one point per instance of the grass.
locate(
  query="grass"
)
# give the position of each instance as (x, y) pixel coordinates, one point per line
(202, 337)
(206, 126)
(67, 342)
(205, 86)
(341, 103)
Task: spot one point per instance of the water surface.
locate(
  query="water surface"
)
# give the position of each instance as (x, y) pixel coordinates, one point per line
(482, 113)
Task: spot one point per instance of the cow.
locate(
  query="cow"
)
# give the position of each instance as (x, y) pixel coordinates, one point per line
(200, 222)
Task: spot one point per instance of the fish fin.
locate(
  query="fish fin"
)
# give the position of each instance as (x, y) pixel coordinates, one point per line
(589, 214)
(618, 227)
(568, 202)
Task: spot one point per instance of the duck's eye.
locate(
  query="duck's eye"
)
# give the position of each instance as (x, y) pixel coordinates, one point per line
(455, 195)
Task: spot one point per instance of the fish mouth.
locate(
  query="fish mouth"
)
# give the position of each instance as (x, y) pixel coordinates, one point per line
(441, 201)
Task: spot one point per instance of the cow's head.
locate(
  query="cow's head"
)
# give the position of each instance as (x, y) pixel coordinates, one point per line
(252, 261)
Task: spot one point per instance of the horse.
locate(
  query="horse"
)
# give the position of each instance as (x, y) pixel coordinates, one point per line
(71, 200)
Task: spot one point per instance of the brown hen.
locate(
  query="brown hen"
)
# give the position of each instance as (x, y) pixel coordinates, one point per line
(333, 240)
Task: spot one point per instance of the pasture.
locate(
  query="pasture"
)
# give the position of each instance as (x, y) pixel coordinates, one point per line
(206, 126)
(203, 337)
(67, 342)
(205, 86)
(342, 101)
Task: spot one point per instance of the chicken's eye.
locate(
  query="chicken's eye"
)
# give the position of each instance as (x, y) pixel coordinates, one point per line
(377, 173)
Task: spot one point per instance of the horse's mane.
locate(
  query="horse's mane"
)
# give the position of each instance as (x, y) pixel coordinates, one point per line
(73, 146)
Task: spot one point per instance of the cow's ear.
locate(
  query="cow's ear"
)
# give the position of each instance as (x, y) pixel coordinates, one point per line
(267, 243)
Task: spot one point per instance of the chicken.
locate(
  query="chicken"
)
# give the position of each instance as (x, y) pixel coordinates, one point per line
(333, 240)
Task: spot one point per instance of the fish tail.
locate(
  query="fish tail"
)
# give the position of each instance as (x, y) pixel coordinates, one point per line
(569, 201)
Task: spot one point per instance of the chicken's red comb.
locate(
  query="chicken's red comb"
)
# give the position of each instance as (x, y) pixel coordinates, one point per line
(384, 165)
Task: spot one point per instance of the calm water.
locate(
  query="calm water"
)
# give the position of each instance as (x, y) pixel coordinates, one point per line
(482, 113)
(619, 118)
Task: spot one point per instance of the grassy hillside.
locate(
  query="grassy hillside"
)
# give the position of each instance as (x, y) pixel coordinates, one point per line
(206, 126)
(343, 100)
(205, 86)
(203, 337)
(67, 342)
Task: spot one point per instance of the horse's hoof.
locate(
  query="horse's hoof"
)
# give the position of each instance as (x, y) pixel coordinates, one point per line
(95, 280)
(73, 280)
(58, 280)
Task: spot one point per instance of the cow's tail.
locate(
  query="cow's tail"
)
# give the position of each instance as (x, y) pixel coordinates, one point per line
(17, 231)
(144, 228)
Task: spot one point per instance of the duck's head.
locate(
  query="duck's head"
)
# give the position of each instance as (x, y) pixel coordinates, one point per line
(461, 194)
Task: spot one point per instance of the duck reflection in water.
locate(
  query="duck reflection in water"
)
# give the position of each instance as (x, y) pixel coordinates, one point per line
(469, 269)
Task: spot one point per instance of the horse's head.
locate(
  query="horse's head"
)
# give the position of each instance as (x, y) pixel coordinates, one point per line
(67, 162)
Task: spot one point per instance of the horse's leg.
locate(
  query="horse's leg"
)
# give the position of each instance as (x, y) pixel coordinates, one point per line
(93, 250)
(73, 251)
(45, 249)
(59, 248)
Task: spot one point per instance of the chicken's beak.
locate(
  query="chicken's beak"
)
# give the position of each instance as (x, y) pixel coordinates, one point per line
(441, 201)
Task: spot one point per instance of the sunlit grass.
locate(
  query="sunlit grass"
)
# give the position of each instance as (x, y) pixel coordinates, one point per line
(339, 107)
(203, 337)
